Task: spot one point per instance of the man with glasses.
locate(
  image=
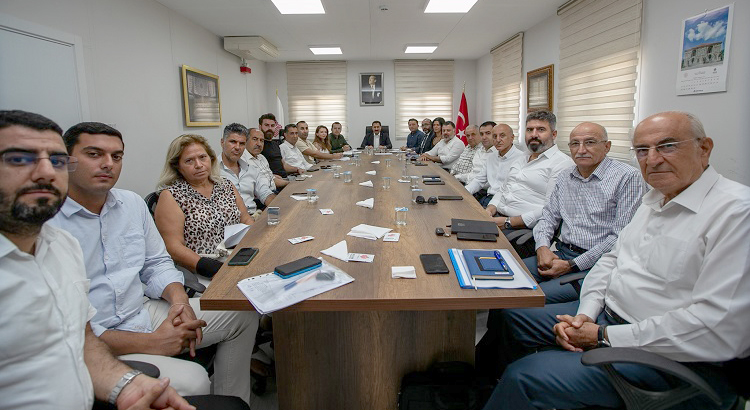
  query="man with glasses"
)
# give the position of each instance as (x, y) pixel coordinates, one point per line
(677, 283)
(50, 357)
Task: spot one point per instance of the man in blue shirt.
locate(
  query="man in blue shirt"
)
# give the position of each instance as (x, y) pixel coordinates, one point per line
(123, 252)
(414, 139)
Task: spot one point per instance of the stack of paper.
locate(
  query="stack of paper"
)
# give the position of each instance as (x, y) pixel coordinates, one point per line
(366, 183)
(368, 231)
(367, 203)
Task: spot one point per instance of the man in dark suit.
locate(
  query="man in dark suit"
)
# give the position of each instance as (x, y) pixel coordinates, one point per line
(376, 138)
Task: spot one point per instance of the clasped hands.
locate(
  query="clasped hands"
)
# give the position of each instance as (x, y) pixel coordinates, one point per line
(576, 334)
(549, 264)
(181, 329)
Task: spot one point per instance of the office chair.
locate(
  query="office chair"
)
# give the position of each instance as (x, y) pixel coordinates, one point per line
(383, 129)
(636, 398)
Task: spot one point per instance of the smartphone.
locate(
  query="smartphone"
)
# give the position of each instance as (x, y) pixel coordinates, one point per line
(293, 268)
(431, 176)
(484, 237)
(450, 197)
(433, 182)
(433, 263)
(243, 257)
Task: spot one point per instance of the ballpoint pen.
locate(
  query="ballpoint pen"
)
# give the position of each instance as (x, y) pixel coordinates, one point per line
(502, 262)
(302, 279)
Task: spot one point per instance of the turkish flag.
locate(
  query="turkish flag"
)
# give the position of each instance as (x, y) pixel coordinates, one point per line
(463, 119)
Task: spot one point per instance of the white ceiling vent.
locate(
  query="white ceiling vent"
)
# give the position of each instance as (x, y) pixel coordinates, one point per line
(251, 47)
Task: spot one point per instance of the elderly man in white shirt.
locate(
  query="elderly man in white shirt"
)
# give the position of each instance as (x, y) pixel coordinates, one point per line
(447, 151)
(50, 357)
(500, 156)
(530, 180)
(250, 183)
(289, 152)
(677, 284)
(464, 165)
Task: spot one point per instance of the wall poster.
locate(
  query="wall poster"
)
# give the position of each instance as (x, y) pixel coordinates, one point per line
(704, 52)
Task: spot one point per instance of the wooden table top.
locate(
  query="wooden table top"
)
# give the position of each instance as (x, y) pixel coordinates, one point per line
(373, 287)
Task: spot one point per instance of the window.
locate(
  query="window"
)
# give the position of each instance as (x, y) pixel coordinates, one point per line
(424, 89)
(599, 55)
(507, 74)
(317, 93)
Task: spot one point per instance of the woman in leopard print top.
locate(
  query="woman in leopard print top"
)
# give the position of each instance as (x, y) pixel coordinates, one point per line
(195, 204)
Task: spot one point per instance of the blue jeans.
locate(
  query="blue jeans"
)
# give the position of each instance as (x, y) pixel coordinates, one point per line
(556, 378)
(553, 291)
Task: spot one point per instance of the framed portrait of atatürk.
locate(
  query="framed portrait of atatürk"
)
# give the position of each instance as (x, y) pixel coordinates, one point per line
(370, 89)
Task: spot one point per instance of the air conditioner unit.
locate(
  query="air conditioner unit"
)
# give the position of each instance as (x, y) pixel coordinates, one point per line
(251, 47)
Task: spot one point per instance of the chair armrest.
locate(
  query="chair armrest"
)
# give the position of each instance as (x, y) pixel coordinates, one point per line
(192, 285)
(611, 355)
(572, 277)
(147, 368)
(523, 235)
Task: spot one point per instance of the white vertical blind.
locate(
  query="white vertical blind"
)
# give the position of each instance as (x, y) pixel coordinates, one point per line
(507, 75)
(317, 93)
(424, 89)
(599, 59)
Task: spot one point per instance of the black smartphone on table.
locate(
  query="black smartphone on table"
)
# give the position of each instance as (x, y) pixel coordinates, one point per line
(243, 257)
(433, 263)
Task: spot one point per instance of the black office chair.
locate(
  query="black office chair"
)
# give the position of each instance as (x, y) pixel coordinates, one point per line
(690, 383)
(384, 128)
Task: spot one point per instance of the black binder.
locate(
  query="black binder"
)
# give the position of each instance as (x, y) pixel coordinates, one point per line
(473, 226)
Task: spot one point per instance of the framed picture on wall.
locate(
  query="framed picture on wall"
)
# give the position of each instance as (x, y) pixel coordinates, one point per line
(540, 88)
(200, 96)
(370, 89)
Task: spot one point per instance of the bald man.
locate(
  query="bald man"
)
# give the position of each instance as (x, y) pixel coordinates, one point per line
(491, 177)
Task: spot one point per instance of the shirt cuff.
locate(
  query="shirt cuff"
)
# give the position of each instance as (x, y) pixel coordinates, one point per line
(157, 284)
(98, 329)
(529, 219)
(621, 335)
(591, 309)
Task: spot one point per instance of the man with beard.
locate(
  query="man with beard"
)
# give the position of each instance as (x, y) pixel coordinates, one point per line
(530, 180)
(271, 149)
(50, 357)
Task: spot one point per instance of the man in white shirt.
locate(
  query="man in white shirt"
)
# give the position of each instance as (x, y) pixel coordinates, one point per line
(50, 357)
(253, 155)
(530, 180)
(491, 177)
(677, 284)
(447, 151)
(307, 148)
(289, 151)
(248, 181)
(464, 165)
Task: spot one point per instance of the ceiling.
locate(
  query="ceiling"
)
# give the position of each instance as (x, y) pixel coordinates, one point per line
(364, 32)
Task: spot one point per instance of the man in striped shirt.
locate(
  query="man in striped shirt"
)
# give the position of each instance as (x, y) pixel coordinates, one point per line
(591, 203)
(464, 165)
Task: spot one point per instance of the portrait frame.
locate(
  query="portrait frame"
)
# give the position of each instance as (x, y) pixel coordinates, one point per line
(540, 89)
(369, 95)
(201, 98)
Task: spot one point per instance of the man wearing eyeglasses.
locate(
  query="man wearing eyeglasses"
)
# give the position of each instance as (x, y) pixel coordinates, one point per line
(50, 357)
(677, 283)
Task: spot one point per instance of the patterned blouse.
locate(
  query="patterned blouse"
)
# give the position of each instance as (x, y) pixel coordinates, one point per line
(205, 218)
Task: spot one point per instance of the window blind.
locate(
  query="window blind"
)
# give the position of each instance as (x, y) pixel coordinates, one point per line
(507, 74)
(424, 89)
(599, 58)
(317, 93)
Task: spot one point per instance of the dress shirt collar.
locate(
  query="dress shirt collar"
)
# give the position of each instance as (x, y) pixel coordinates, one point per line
(548, 153)
(599, 172)
(509, 153)
(241, 161)
(46, 235)
(71, 207)
(486, 150)
(691, 198)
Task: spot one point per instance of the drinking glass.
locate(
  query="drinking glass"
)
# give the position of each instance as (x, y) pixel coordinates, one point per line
(401, 215)
(386, 182)
(273, 215)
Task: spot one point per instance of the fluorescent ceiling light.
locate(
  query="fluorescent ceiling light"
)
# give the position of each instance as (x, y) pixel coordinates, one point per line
(423, 49)
(325, 50)
(449, 6)
(299, 6)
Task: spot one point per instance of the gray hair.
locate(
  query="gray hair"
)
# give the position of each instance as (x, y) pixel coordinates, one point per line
(543, 115)
(235, 128)
(472, 126)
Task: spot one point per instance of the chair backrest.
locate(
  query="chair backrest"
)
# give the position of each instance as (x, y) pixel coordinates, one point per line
(151, 200)
(384, 128)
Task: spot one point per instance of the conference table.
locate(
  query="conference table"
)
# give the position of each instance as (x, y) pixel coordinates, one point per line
(348, 348)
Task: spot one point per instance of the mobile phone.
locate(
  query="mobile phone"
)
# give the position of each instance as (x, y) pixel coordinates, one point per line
(470, 236)
(313, 169)
(450, 197)
(243, 257)
(420, 164)
(433, 263)
(433, 182)
(293, 268)
(430, 176)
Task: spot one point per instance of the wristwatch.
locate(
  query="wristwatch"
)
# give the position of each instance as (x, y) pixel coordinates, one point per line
(573, 266)
(507, 224)
(601, 340)
(124, 381)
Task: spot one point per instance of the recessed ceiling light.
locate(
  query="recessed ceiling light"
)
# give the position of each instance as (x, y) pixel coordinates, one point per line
(449, 6)
(299, 6)
(421, 49)
(325, 50)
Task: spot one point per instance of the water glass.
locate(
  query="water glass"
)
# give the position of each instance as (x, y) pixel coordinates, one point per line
(312, 195)
(401, 215)
(273, 215)
(405, 171)
(336, 171)
(347, 176)
(415, 193)
(357, 160)
(387, 162)
(386, 182)
(414, 182)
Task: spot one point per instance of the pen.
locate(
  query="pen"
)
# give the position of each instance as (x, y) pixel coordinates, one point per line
(502, 262)
(300, 280)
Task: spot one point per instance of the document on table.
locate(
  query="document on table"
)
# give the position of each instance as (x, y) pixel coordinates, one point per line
(521, 279)
(270, 292)
(233, 234)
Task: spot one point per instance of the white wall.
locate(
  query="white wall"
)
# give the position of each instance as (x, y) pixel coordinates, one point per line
(724, 115)
(484, 89)
(133, 51)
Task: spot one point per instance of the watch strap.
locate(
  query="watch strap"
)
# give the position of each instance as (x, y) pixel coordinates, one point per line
(124, 381)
